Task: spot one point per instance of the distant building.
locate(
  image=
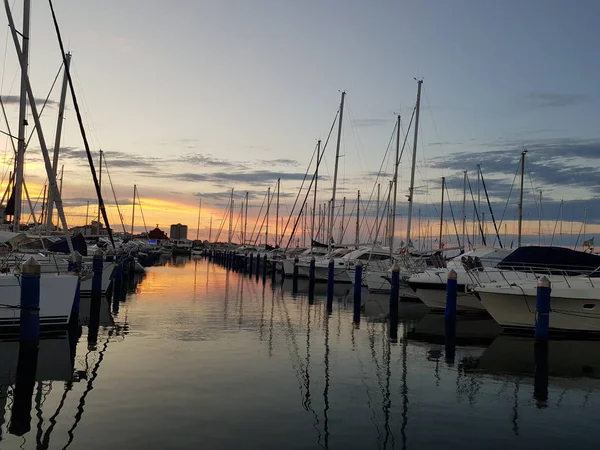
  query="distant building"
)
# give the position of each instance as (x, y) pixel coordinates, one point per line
(86, 230)
(158, 234)
(178, 231)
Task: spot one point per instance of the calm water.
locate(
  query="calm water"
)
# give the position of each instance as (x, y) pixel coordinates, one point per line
(198, 357)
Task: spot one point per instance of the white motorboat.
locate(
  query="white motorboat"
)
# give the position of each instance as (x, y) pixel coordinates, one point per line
(575, 303)
(303, 261)
(56, 300)
(430, 285)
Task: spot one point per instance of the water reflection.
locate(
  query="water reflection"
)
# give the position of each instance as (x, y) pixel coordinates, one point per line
(221, 350)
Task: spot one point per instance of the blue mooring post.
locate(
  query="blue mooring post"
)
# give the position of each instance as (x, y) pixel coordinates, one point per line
(540, 375)
(311, 281)
(295, 276)
(250, 271)
(75, 261)
(257, 265)
(20, 421)
(265, 266)
(542, 310)
(29, 328)
(358, 270)
(450, 317)
(330, 282)
(394, 299)
(97, 268)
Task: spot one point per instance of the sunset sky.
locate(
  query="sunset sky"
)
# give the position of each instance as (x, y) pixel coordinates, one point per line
(195, 97)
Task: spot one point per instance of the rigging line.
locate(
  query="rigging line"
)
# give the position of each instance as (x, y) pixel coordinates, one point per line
(298, 195)
(81, 127)
(453, 221)
(490, 207)
(257, 217)
(225, 216)
(398, 162)
(142, 212)
(312, 181)
(45, 103)
(556, 223)
(476, 212)
(508, 199)
(259, 234)
(114, 194)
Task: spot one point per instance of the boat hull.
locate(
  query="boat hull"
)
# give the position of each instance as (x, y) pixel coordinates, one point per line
(56, 300)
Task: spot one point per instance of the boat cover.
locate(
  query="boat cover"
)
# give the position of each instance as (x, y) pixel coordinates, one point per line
(554, 260)
(79, 245)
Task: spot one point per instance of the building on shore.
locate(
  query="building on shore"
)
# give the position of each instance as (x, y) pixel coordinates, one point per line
(157, 234)
(178, 231)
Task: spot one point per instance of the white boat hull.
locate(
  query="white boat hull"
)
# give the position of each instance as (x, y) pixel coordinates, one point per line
(572, 309)
(107, 272)
(56, 300)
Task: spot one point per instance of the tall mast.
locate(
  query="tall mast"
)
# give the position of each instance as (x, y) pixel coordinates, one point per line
(396, 164)
(210, 230)
(87, 212)
(246, 219)
(277, 215)
(133, 210)
(22, 117)
(267, 216)
(414, 162)
(561, 221)
(198, 223)
(61, 116)
(100, 186)
(464, 211)
(335, 172)
(314, 210)
(585, 213)
(357, 241)
(520, 230)
(442, 212)
(230, 218)
(342, 221)
(540, 222)
(378, 209)
(319, 225)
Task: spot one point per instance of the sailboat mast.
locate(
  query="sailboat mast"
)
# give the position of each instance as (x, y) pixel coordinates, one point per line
(520, 230)
(378, 209)
(442, 212)
(277, 215)
(335, 172)
(267, 216)
(357, 241)
(314, 209)
(246, 219)
(561, 221)
(230, 218)
(464, 211)
(133, 209)
(61, 116)
(414, 162)
(342, 221)
(100, 185)
(198, 223)
(210, 230)
(540, 222)
(87, 213)
(396, 164)
(22, 117)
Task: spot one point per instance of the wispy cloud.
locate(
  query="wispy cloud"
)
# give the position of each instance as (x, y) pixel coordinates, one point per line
(373, 122)
(15, 99)
(554, 100)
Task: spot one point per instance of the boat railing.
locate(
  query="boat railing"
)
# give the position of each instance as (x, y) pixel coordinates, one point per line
(519, 272)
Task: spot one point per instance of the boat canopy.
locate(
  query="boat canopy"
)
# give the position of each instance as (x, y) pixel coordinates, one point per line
(552, 260)
(12, 239)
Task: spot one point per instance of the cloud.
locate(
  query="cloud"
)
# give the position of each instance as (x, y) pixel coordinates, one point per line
(553, 100)
(112, 159)
(15, 100)
(251, 177)
(208, 160)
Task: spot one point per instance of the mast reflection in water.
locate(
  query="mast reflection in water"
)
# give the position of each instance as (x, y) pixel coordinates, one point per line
(193, 354)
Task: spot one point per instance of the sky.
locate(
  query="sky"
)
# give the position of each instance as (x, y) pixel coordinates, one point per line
(192, 98)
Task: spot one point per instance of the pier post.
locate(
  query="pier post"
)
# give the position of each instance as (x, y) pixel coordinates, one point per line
(295, 276)
(542, 310)
(251, 269)
(311, 281)
(257, 265)
(330, 282)
(20, 422)
(97, 268)
(29, 328)
(75, 261)
(394, 299)
(451, 289)
(358, 270)
(265, 266)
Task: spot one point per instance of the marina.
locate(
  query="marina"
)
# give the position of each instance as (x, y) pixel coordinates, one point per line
(325, 246)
